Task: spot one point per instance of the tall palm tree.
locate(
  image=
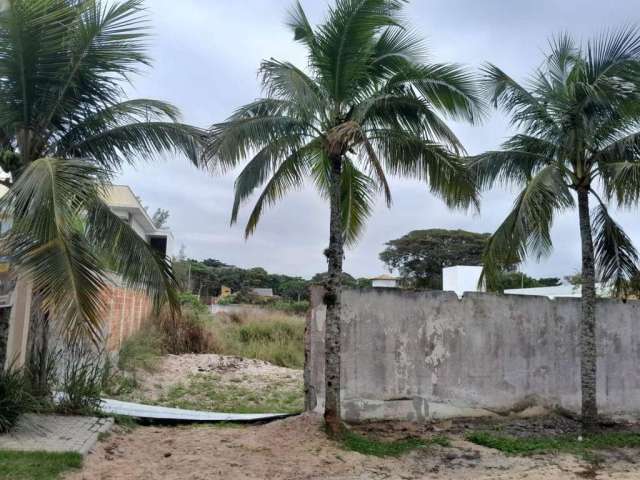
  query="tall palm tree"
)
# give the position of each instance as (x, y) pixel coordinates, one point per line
(579, 123)
(366, 105)
(65, 128)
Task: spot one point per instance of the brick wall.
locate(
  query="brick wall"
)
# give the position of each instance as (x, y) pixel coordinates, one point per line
(126, 311)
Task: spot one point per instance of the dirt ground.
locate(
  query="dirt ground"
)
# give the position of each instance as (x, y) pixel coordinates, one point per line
(227, 370)
(296, 448)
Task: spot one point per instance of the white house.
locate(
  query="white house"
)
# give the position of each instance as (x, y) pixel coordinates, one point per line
(461, 278)
(384, 281)
(124, 203)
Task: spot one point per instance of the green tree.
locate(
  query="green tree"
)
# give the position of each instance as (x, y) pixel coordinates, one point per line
(65, 127)
(579, 138)
(420, 255)
(366, 105)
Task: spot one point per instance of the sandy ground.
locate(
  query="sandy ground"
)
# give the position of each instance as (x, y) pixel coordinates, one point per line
(296, 448)
(227, 369)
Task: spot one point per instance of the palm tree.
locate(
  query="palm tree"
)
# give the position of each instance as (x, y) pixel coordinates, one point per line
(65, 128)
(366, 105)
(579, 123)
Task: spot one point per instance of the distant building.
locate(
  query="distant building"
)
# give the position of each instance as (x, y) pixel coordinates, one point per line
(384, 281)
(262, 292)
(461, 278)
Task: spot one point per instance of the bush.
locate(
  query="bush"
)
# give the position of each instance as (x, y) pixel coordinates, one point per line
(186, 333)
(14, 398)
(296, 308)
(189, 300)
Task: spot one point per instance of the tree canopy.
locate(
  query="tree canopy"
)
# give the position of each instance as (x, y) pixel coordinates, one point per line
(420, 255)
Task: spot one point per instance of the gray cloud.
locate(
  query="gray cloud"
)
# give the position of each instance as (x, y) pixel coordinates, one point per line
(206, 56)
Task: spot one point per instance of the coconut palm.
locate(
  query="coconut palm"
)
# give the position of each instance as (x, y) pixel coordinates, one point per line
(578, 145)
(65, 128)
(365, 106)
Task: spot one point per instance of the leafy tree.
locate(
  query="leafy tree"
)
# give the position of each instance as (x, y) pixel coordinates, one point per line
(578, 117)
(511, 280)
(367, 105)
(420, 255)
(65, 127)
(160, 217)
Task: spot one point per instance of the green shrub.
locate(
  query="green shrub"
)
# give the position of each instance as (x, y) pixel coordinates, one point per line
(188, 299)
(297, 308)
(14, 398)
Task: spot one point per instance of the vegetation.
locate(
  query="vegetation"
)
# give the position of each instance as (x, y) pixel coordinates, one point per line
(208, 393)
(381, 448)
(568, 444)
(420, 255)
(142, 350)
(15, 398)
(578, 118)
(367, 104)
(274, 338)
(205, 279)
(66, 127)
(37, 465)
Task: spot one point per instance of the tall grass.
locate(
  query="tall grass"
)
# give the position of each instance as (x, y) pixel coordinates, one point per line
(275, 338)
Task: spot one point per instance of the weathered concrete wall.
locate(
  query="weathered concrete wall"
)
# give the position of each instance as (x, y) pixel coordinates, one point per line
(418, 355)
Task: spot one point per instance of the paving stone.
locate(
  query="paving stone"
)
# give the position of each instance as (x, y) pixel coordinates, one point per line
(55, 433)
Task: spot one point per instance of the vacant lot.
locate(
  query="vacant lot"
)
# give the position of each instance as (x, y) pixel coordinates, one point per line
(297, 448)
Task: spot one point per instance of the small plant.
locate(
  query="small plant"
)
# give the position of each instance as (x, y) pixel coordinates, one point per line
(187, 332)
(188, 299)
(85, 374)
(142, 350)
(14, 398)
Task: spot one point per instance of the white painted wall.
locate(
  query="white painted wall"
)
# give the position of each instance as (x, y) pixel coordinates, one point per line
(461, 278)
(384, 283)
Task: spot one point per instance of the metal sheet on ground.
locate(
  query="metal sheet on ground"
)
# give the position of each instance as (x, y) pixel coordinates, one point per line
(138, 410)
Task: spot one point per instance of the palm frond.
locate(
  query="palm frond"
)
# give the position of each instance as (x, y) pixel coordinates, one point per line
(46, 241)
(358, 192)
(126, 143)
(616, 257)
(526, 230)
(127, 254)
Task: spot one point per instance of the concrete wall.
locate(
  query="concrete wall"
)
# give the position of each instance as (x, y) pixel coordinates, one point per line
(419, 355)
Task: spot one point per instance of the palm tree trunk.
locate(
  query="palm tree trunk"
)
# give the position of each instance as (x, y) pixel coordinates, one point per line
(332, 300)
(588, 352)
(5, 314)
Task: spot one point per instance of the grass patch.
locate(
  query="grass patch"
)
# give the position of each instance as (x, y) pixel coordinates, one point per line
(206, 392)
(37, 465)
(382, 448)
(141, 350)
(565, 444)
(274, 338)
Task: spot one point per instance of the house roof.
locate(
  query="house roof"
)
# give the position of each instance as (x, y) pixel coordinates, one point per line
(121, 198)
(384, 277)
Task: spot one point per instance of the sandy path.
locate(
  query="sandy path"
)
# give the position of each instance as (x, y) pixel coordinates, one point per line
(296, 448)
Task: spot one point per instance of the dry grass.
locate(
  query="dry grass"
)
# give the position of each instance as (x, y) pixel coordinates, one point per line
(272, 337)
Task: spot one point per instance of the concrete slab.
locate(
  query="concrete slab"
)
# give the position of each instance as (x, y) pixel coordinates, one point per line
(55, 433)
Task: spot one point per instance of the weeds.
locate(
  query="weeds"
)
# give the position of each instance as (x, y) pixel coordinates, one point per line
(84, 376)
(141, 350)
(206, 392)
(278, 339)
(568, 444)
(382, 448)
(15, 398)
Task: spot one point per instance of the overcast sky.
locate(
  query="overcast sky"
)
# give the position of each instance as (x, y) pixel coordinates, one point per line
(206, 54)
